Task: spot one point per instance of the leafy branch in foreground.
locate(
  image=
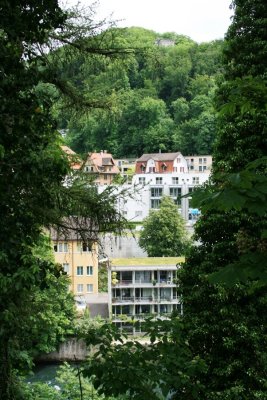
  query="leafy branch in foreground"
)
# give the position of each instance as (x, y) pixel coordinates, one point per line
(245, 192)
(157, 366)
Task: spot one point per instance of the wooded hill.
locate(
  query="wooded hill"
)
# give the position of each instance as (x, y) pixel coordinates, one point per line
(159, 91)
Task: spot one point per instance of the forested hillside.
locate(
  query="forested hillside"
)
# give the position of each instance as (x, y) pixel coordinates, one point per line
(160, 97)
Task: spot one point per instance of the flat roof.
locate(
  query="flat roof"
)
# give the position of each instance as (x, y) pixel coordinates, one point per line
(146, 261)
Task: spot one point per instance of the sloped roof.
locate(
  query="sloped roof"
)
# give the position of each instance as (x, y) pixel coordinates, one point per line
(75, 228)
(159, 157)
(75, 161)
(102, 159)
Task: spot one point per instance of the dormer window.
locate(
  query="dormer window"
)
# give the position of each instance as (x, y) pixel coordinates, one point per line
(178, 160)
(143, 167)
(163, 167)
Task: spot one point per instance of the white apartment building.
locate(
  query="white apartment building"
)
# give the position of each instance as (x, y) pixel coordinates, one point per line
(163, 174)
(140, 288)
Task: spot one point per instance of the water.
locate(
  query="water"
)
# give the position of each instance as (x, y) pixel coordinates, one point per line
(45, 373)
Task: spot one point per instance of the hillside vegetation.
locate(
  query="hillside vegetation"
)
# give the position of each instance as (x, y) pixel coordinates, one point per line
(159, 97)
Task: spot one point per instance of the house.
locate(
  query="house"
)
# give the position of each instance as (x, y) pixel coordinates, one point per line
(199, 163)
(127, 168)
(161, 163)
(166, 174)
(140, 288)
(74, 159)
(79, 259)
(102, 166)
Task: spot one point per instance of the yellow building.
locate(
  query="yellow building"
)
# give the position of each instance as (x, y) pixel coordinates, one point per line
(79, 260)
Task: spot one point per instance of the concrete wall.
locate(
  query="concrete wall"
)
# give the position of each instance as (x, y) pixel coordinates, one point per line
(70, 350)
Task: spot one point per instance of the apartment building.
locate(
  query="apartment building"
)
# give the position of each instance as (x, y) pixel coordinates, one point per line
(140, 288)
(79, 260)
(199, 163)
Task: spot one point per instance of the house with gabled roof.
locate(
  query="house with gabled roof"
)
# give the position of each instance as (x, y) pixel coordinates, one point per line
(161, 163)
(102, 166)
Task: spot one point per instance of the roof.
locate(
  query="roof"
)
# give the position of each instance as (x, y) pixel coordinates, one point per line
(67, 150)
(75, 228)
(75, 161)
(102, 159)
(159, 157)
(147, 261)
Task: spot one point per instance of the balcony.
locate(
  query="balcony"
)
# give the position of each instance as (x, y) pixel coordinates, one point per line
(124, 282)
(122, 299)
(132, 299)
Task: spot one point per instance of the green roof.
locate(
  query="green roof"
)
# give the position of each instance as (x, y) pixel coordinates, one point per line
(147, 261)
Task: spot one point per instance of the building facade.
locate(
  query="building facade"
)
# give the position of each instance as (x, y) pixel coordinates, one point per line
(79, 260)
(140, 288)
(102, 167)
(199, 163)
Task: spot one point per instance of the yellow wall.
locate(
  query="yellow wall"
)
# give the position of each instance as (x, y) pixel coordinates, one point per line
(75, 257)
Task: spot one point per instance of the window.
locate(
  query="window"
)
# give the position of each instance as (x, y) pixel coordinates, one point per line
(155, 203)
(80, 288)
(163, 167)
(151, 169)
(174, 169)
(204, 161)
(156, 192)
(181, 169)
(89, 288)
(200, 168)
(158, 181)
(61, 247)
(89, 270)
(204, 167)
(142, 180)
(178, 160)
(79, 270)
(176, 192)
(200, 161)
(192, 160)
(175, 180)
(191, 166)
(143, 167)
(86, 246)
(195, 180)
(105, 177)
(66, 267)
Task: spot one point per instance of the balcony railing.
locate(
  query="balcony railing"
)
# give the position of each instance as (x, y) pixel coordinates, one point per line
(144, 281)
(124, 282)
(133, 299)
(120, 299)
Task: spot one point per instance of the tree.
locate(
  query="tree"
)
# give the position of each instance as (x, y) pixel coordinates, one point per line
(33, 169)
(224, 318)
(164, 232)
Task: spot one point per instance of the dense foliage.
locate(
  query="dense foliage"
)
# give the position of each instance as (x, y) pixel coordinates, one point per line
(160, 97)
(164, 233)
(34, 190)
(69, 385)
(227, 322)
